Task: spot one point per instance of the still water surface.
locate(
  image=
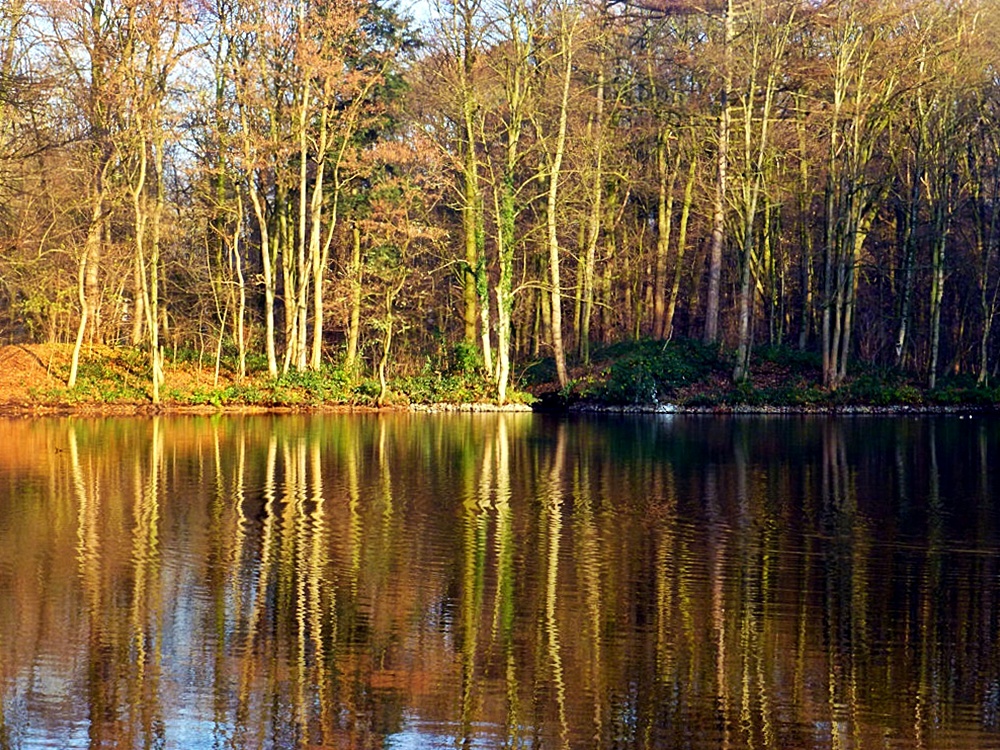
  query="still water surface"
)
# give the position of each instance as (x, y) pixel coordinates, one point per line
(500, 581)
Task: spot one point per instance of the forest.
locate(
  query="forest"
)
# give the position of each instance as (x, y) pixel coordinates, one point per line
(354, 185)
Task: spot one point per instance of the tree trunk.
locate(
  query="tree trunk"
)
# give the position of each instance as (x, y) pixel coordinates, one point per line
(318, 252)
(84, 317)
(803, 201)
(593, 220)
(942, 226)
(719, 202)
(675, 287)
(241, 287)
(555, 171)
(267, 271)
(909, 256)
(986, 241)
(504, 289)
(742, 368)
(664, 222)
(354, 323)
(88, 282)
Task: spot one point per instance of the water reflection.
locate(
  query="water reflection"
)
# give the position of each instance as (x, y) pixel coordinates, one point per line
(499, 581)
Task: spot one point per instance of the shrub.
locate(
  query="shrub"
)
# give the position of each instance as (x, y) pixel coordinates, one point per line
(645, 371)
(703, 400)
(539, 371)
(886, 390)
(791, 357)
(465, 359)
(956, 392)
(437, 388)
(313, 386)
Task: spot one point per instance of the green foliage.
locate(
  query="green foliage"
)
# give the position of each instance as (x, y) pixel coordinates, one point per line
(441, 389)
(744, 393)
(791, 394)
(255, 361)
(706, 399)
(367, 391)
(787, 356)
(646, 371)
(538, 372)
(963, 390)
(99, 379)
(206, 396)
(308, 388)
(885, 389)
(630, 382)
(805, 395)
(465, 359)
(326, 384)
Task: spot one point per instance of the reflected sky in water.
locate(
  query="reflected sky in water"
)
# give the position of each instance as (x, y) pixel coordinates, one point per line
(499, 581)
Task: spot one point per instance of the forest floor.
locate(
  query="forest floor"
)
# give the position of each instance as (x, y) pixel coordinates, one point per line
(632, 376)
(33, 380)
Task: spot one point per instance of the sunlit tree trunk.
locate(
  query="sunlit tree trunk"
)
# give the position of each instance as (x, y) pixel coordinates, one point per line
(93, 26)
(911, 214)
(765, 59)
(596, 133)
(804, 197)
(666, 177)
(241, 288)
(148, 272)
(516, 71)
(301, 274)
(463, 38)
(318, 249)
(566, 41)
(387, 325)
(858, 116)
(721, 173)
(74, 366)
(251, 37)
(354, 318)
(943, 210)
(675, 286)
(267, 272)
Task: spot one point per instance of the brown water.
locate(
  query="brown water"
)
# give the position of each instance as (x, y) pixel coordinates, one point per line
(500, 581)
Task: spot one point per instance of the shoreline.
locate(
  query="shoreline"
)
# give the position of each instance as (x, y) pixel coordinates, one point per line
(105, 410)
(643, 379)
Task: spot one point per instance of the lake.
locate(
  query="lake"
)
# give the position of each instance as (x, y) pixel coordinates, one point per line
(500, 581)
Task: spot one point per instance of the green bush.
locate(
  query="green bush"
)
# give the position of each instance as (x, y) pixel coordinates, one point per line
(328, 384)
(888, 389)
(538, 372)
(954, 393)
(646, 371)
(630, 382)
(791, 357)
(444, 389)
(465, 359)
(98, 381)
(366, 391)
(806, 395)
(703, 400)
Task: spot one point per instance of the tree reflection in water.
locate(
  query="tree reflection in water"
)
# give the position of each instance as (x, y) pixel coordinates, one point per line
(498, 581)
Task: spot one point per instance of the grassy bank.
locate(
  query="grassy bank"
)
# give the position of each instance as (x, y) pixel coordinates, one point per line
(688, 374)
(683, 373)
(117, 378)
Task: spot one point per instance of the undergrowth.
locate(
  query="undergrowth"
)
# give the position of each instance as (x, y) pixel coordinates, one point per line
(685, 372)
